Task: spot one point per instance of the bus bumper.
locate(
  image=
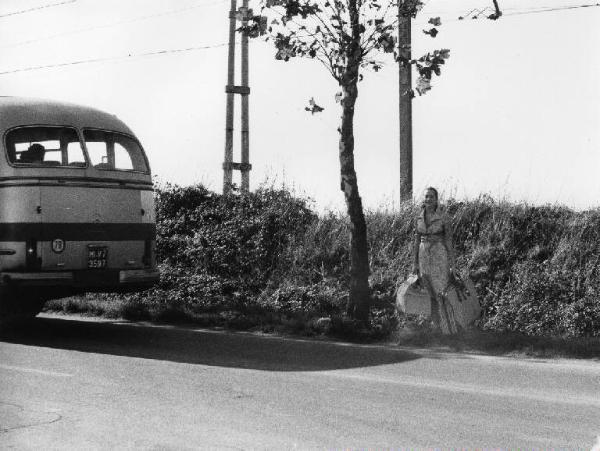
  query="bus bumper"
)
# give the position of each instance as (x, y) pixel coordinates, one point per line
(109, 280)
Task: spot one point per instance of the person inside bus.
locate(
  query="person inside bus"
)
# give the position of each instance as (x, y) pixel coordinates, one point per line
(33, 155)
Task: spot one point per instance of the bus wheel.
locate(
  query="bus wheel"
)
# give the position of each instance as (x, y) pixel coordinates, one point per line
(16, 307)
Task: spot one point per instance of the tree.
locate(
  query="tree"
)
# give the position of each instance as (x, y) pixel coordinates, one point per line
(344, 35)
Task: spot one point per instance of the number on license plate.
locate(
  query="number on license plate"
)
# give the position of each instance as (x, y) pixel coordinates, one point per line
(97, 257)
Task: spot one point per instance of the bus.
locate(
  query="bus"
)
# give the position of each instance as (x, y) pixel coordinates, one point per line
(76, 205)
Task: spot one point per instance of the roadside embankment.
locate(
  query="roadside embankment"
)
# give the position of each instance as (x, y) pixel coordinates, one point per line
(267, 261)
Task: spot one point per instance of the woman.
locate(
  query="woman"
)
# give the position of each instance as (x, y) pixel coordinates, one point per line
(434, 259)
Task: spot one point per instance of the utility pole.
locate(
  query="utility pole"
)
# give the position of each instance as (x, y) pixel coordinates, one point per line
(227, 169)
(244, 90)
(405, 102)
(245, 169)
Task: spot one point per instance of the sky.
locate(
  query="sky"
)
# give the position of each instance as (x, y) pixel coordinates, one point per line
(515, 114)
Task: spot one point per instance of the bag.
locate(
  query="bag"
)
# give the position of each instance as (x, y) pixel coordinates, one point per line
(412, 297)
(459, 304)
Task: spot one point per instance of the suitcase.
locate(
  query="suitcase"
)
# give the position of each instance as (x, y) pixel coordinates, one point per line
(412, 298)
(460, 307)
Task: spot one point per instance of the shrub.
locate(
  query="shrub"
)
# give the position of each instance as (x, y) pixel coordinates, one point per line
(582, 318)
(533, 301)
(233, 237)
(266, 258)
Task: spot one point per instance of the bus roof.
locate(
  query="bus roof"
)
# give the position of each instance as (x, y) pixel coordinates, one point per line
(17, 111)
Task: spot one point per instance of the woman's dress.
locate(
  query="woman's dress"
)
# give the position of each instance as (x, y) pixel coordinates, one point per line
(451, 310)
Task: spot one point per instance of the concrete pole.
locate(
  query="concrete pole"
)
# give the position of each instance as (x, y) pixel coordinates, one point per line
(228, 160)
(405, 107)
(245, 141)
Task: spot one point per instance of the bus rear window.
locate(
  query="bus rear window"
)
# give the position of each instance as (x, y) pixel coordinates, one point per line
(45, 146)
(114, 151)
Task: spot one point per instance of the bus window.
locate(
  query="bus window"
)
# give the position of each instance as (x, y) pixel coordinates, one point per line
(75, 154)
(114, 151)
(122, 158)
(45, 146)
(98, 153)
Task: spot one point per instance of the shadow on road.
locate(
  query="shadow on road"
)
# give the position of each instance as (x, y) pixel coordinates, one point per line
(187, 345)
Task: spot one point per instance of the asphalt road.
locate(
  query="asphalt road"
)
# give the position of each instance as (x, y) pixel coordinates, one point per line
(79, 384)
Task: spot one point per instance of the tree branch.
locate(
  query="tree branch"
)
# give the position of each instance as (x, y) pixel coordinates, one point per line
(371, 39)
(308, 33)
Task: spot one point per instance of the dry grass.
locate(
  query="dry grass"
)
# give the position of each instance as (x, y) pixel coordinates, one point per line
(500, 344)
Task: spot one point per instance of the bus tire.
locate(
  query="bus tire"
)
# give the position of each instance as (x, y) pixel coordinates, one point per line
(17, 307)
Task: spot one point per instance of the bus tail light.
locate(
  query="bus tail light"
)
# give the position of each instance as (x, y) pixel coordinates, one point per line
(32, 261)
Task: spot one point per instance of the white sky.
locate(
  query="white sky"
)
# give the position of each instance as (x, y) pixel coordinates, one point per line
(515, 114)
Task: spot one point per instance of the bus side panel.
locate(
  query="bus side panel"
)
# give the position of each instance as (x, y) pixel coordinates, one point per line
(147, 201)
(10, 261)
(20, 224)
(19, 204)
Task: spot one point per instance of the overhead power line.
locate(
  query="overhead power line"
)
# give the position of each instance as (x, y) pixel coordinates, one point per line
(112, 24)
(49, 5)
(558, 8)
(476, 13)
(114, 58)
(509, 11)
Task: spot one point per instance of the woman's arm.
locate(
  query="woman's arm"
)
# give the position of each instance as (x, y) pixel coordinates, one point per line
(415, 251)
(448, 234)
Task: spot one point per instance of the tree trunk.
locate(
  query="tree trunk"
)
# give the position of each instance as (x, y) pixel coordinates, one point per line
(359, 300)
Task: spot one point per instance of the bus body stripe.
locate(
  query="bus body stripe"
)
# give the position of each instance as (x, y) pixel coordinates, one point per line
(70, 178)
(82, 185)
(77, 231)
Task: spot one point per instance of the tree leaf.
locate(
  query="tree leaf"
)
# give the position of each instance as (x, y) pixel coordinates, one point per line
(313, 108)
(431, 32)
(435, 21)
(423, 85)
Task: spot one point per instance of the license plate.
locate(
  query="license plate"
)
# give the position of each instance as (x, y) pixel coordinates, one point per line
(97, 256)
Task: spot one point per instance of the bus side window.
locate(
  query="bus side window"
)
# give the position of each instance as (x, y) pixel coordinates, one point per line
(75, 154)
(114, 151)
(122, 158)
(98, 153)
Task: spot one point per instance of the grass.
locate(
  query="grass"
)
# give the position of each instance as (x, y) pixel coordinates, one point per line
(267, 262)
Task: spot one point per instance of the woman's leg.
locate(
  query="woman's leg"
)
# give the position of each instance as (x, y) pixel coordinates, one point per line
(435, 307)
(433, 265)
